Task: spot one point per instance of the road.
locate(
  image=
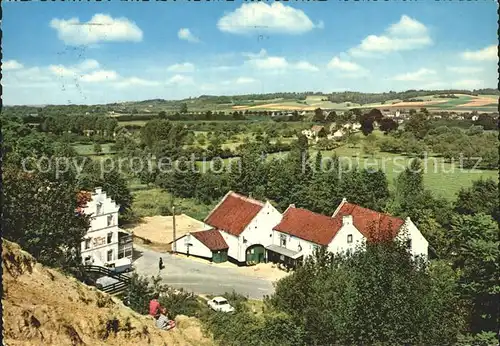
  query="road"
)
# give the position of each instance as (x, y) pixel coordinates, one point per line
(199, 277)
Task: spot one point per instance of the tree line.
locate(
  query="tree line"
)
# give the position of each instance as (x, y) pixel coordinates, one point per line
(379, 295)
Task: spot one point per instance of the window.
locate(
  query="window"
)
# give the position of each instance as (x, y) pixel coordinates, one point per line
(110, 220)
(110, 255)
(349, 238)
(87, 243)
(99, 208)
(283, 240)
(110, 237)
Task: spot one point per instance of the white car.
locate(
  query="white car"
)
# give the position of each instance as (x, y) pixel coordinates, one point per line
(220, 304)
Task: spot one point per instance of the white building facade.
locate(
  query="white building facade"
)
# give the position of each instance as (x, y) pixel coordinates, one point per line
(245, 225)
(301, 232)
(104, 242)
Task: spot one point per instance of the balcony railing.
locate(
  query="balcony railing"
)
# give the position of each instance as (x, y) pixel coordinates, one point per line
(125, 240)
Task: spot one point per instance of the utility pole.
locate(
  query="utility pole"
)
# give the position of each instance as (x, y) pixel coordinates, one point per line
(174, 246)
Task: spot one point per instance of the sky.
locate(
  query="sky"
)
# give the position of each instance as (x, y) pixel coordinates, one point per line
(103, 52)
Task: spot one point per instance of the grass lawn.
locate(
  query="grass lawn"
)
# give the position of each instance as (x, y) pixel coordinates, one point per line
(88, 149)
(149, 202)
(442, 178)
(451, 103)
(133, 122)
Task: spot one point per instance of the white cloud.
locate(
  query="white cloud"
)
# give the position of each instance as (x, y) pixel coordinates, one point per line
(407, 27)
(468, 84)
(464, 69)
(306, 66)
(262, 61)
(245, 80)
(489, 53)
(269, 63)
(261, 54)
(88, 64)
(182, 68)
(260, 17)
(420, 75)
(185, 34)
(100, 28)
(62, 71)
(99, 76)
(407, 34)
(343, 65)
(74, 70)
(10, 65)
(179, 79)
(134, 81)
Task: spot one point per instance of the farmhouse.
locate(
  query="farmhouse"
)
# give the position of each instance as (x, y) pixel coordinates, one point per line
(248, 231)
(104, 244)
(301, 231)
(245, 225)
(207, 244)
(313, 133)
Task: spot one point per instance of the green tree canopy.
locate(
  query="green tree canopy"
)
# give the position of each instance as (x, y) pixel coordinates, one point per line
(378, 295)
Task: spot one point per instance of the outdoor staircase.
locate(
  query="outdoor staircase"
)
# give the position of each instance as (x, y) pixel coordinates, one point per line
(117, 287)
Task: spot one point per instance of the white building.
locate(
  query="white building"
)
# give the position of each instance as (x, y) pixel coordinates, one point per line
(313, 133)
(104, 243)
(208, 244)
(353, 127)
(250, 231)
(241, 228)
(301, 231)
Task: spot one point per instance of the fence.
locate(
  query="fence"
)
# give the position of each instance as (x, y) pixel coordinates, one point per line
(117, 287)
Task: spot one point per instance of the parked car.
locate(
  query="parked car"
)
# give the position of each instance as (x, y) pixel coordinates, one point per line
(122, 265)
(220, 304)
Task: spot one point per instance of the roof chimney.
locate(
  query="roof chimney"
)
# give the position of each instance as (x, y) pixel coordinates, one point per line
(346, 220)
(291, 206)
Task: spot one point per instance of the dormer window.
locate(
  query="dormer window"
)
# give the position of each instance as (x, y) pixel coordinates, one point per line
(283, 240)
(99, 208)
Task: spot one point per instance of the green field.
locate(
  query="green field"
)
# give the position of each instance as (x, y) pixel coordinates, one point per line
(442, 178)
(88, 149)
(451, 103)
(153, 201)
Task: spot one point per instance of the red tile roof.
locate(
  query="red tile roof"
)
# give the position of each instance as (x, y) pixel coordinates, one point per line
(234, 213)
(316, 128)
(372, 224)
(305, 224)
(212, 239)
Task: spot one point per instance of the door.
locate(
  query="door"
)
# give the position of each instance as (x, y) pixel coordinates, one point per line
(219, 256)
(255, 254)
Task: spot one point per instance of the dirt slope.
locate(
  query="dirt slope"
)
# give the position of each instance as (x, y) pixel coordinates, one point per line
(41, 306)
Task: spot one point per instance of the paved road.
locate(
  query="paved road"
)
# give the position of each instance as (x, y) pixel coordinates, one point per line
(199, 277)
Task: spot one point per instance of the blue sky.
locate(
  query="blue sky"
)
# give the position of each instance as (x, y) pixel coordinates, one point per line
(59, 53)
